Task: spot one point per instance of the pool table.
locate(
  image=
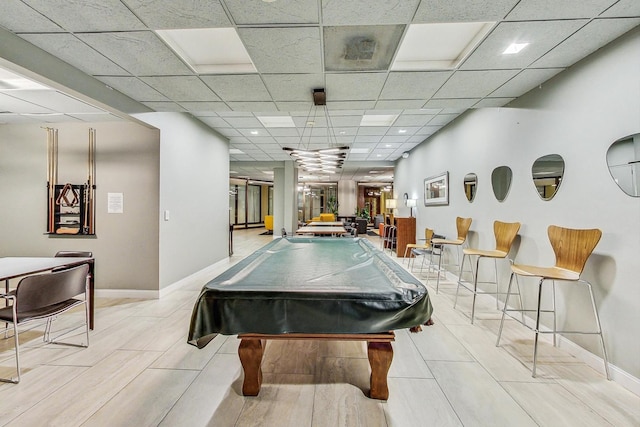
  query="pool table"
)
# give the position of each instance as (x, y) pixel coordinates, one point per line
(311, 288)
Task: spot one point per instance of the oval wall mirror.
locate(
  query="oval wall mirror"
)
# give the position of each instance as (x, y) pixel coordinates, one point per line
(623, 159)
(501, 182)
(547, 172)
(470, 185)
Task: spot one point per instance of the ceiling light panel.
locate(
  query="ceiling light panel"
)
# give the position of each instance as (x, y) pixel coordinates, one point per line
(197, 48)
(277, 121)
(378, 119)
(438, 46)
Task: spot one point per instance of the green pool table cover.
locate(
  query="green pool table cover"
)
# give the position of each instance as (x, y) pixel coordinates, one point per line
(310, 285)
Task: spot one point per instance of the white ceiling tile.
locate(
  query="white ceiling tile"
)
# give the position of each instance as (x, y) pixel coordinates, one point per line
(17, 105)
(140, 53)
(542, 36)
(462, 10)
(165, 107)
(533, 10)
(228, 132)
(283, 50)
(171, 14)
(399, 104)
(294, 108)
(413, 85)
(407, 130)
(354, 87)
(474, 84)
(581, 44)
(451, 104)
(57, 101)
(88, 15)
(283, 132)
(524, 82)
(393, 139)
(244, 122)
(350, 105)
(236, 114)
(372, 130)
(73, 51)
(238, 87)
(412, 120)
(181, 88)
(278, 12)
(374, 139)
(623, 8)
(293, 87)
(493, 102)
(133, 87)
(367, 12)
(202, 107)
(442, 119)
(18, 17)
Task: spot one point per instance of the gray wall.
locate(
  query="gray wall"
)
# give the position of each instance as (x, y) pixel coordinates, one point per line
(578, 114)
(127, 161)
(194, 188)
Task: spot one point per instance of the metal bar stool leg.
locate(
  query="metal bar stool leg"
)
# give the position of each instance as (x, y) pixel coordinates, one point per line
(504, 309)
(455, 301)
(537, 330)
(595, 312)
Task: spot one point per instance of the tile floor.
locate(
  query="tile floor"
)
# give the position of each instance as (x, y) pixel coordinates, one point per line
(139, 371)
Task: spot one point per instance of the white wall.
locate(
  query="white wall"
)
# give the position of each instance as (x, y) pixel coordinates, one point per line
(578, 114)
(194, 188)
(127, 161)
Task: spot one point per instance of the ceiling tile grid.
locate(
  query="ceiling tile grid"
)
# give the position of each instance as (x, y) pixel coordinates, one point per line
(296, 46)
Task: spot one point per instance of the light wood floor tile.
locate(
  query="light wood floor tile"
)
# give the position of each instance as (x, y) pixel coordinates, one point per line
(290, 357)
(615, 404)
(436, 342)
(285, 400)
(476, 397)
(34, 386)
(182, 355)
(144, 401)
(214, 398)
(77, 400)
(551, 404)
(407, 361)
(418, 402)
(497, 361)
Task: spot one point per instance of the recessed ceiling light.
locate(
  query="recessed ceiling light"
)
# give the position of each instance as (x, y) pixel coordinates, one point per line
(438, 46)
(342, 132)
(359, 150)
(402, 131)
(235, 151)
(277, 121)
(514, 48)
(12, 81)
(378, 119)
(197, 47)
(254, 132)
(388, 145)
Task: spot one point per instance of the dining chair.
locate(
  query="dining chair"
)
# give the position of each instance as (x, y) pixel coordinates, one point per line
(43, 297)
(505, 233)
(572, 248)
(462, 226)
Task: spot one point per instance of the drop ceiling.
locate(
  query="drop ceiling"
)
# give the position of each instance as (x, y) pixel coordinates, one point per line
(348, 48)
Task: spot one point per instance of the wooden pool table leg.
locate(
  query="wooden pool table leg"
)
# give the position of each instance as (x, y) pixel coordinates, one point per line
(250, 352)
(380, 357)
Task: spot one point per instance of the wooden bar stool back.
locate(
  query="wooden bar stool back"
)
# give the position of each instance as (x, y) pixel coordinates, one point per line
(505, 233)
(572, 248)
(462, 226)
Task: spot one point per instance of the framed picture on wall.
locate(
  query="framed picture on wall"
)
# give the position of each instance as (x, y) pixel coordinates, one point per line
(436, 190)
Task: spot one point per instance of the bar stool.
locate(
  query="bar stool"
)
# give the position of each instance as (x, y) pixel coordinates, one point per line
(572, 248)
(419, 249)
(462, 225)
(505, 233)
(389, 238)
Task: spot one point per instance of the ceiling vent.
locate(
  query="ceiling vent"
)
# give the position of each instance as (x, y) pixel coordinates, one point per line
(360, 48)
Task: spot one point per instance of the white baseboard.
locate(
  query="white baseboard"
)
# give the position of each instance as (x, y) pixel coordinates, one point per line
(157, 294)
(126, 293)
